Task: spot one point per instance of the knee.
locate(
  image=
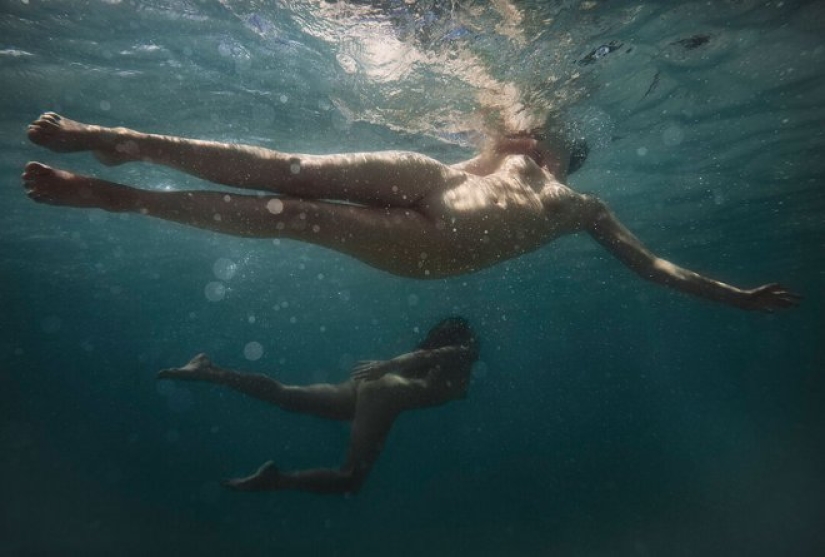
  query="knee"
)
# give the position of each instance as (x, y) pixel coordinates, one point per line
(352, 480)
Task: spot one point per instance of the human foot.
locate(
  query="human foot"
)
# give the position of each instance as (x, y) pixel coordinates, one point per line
(45, 184)
(199, 368)
(266, 478)
(60, 134)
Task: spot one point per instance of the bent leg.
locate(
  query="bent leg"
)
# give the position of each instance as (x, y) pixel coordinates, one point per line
(387, 179)
(375, 411)
(336, 402)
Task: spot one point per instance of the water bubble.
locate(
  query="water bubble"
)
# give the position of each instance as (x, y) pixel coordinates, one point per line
(253, 351)
(412, 300)
(284, 99)
(275, 206)
(105, 106)
(673, 135)
(224, 268)
(641, 151)
(215, 291)
(295, 167)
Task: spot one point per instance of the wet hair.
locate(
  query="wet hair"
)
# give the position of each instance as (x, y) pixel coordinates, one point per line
(578, 154)
(579, 149)
(451, 331)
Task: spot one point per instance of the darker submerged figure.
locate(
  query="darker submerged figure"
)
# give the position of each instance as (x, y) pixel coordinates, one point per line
(437, 372)
(402, 212)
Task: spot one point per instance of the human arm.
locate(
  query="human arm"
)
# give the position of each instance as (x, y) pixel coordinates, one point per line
(616, 238)
(412, 365)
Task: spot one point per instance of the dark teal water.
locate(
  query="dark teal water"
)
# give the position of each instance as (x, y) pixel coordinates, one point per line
(608, 416)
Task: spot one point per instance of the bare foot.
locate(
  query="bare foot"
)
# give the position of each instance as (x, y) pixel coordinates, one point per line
(265, 479)
(45, 184)
(199, 368)
(111, 146)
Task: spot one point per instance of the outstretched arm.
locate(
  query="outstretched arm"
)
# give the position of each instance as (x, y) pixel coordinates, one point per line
(613, 235)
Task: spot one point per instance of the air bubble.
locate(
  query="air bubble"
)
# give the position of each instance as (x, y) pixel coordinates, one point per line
(275, 206)
(224, 268)
(673, 135)
(215, 291)
(253, 351)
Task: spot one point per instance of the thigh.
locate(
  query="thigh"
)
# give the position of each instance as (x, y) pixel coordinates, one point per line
(401, 241)
(383, 179)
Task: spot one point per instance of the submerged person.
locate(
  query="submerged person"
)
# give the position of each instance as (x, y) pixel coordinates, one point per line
(401, 212)
(437, 372)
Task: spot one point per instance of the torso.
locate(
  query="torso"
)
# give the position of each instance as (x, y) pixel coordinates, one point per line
(481, 220)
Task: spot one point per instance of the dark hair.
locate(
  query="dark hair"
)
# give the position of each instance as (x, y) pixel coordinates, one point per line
(578, 154)
(451, 331)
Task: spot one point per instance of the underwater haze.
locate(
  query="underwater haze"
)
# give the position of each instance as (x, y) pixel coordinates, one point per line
(608, 416)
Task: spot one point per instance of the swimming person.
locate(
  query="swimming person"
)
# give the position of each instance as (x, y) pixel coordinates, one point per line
(437, 372)
(402, 212)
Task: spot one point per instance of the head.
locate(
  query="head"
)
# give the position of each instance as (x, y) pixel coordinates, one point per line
(550, 145)
(451, 331)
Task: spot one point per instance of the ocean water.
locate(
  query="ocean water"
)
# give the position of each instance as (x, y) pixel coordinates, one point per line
(607, 417)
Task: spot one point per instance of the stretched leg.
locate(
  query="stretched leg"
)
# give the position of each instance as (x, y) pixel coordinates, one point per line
(390, 239)
(386, 179)
(336, 402)
(377, 406)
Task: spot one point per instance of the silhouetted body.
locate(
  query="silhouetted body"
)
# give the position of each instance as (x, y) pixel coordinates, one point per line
(437, 372)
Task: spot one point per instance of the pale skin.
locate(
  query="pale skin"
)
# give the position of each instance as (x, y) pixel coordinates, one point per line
(401, 212)
(371, 399)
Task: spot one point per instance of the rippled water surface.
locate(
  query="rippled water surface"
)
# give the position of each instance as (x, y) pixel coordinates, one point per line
(608, 416)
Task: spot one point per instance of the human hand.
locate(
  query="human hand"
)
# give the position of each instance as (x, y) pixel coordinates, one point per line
(769, 297)
(368, 370)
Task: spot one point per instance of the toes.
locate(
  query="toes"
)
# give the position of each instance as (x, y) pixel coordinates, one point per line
(35, 170)
(50, 117)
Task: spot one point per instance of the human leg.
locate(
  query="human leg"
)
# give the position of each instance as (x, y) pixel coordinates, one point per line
(332, 401)
(390, 239)
(377, 406)
(387, 179)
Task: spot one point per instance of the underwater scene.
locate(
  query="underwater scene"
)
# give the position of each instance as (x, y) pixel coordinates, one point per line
(547, 276)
